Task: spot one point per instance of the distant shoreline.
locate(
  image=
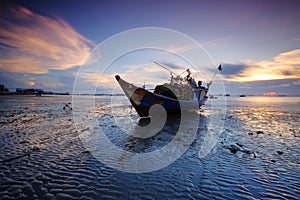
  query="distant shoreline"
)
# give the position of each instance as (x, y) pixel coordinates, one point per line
(53, 94)
(103, 94)
(30, 94)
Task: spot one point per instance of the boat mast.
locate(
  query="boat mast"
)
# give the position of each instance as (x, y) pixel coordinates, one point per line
(166, 68)
(210, 82)
(171, 72)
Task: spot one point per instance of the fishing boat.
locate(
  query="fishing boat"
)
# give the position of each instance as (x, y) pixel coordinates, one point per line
(180, 94)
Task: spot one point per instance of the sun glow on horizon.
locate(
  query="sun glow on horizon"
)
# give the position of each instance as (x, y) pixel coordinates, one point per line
(259, 77)
(271, 94)
(30, 83)
(283, 66)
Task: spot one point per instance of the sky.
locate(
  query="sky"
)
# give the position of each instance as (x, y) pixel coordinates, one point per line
(45, 44)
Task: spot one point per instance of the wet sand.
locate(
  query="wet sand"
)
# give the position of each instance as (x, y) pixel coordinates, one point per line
(256, 157)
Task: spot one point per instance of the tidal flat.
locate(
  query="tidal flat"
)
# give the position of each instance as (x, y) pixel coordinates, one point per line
(44, 154)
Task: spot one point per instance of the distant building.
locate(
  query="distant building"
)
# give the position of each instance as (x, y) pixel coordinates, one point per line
(32, 91)
(3, 88)
(20, 90)
(29, 91)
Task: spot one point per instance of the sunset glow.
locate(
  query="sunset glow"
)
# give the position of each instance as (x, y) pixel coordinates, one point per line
(48, 42)
(40, 43)
(30, 83)
(272, 94)
(150, 99)
(283, 66)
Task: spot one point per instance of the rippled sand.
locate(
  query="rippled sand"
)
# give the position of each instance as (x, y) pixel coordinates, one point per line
(256, 157)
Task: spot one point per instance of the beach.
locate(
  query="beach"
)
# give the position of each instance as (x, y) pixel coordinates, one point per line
(44, 155)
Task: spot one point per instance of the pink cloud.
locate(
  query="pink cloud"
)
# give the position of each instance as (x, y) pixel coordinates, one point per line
(285, 65)
(35, 44)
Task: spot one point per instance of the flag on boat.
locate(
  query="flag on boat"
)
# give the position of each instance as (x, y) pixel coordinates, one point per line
(220, 68)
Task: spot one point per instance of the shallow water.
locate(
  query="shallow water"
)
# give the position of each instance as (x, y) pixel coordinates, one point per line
(257, 155)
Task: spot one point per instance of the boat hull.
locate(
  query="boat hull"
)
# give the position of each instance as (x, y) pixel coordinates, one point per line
(142, 100)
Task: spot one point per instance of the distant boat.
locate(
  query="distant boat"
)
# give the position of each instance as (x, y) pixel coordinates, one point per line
(242, 95)
(188, 95)
(227, 95)
(212, 97)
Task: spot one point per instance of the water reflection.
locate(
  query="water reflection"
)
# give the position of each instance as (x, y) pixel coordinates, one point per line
(136, 143)
(265, 100)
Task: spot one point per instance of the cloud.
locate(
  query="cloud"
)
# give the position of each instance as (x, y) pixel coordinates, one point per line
(270, 94)
(284, 86)
(150, 74)
(231, 70)
(32, 43)
(296, 82)
(217, 42)
(283, 66)
(180, 49)
(31, 82)
(297, 39)
(54, 80)
(171, 65)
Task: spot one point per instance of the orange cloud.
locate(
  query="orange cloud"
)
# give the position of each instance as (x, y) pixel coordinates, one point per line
(30, 83)
(33, 43)
(272, 94)
(283, 66)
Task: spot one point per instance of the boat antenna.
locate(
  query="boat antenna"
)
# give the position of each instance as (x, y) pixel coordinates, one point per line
(219, 69)
(166, 68)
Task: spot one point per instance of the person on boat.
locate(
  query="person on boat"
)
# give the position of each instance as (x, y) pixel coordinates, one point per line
(200, 85)
(193, 83)
(188, 77)
(172, 77)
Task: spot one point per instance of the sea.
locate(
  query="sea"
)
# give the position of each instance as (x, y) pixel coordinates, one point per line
(96, 147)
